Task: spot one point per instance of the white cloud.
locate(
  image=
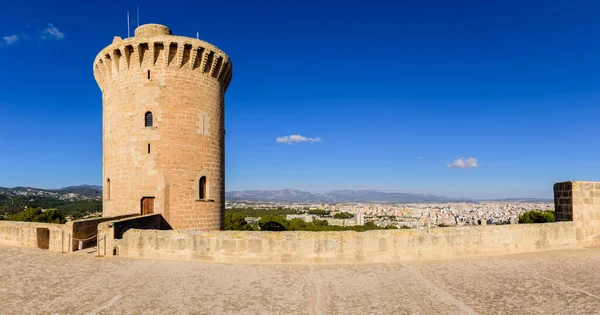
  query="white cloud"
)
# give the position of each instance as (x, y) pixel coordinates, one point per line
(10, 39)
(51, 32)
(464, 163)
(296, 139)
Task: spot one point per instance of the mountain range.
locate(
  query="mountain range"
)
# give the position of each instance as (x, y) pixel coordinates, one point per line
(295, 195)
(94, 192)
(81, 192)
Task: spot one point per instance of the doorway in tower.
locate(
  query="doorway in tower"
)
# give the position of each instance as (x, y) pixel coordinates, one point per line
(147, 205)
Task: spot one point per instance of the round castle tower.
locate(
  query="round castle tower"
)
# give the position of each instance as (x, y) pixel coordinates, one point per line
(163, 127)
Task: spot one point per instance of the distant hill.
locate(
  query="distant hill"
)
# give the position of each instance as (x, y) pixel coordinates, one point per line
(94, 192)
(85, 190)
(74, 202)
(295, 195)
(82, 192)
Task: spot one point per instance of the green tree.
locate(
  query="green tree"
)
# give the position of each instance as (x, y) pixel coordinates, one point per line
(343, 215)
(236, 221)
(321, 223)
(36, 215)
(319, 212)
(271, 226)
(251, 212)
(273, 223)
(537, 216)
(370, 226)
(298, 224)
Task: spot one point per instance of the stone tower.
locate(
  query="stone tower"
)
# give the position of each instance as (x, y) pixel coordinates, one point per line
(163, 127)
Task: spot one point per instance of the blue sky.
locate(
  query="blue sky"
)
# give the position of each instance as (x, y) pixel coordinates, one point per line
(391, 93)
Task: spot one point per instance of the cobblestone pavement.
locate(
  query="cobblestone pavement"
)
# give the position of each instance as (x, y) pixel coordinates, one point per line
(558, 282)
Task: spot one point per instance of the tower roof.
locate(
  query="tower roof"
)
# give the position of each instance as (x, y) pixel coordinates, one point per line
(150, 30)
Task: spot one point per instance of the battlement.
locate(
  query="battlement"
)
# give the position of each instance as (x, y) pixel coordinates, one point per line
(153, 46)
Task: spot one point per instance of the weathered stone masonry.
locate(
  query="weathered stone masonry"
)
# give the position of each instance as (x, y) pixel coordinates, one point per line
(577, 201)
(182, 81)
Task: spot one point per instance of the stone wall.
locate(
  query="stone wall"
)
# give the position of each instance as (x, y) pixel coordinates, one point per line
(63, 238)
(109, 232)
(87, 229)
(577, 201)
(577, 206)
(25, 234)
(378, 246)
(563, 201)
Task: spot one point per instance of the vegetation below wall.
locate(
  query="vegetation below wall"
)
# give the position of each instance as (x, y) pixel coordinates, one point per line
(11, 205)
(37, 215)
(277, 222)
(251, 212)
(536, 216)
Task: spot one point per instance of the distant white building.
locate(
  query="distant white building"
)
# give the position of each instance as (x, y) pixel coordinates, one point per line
(304, 217)
(360, 218)
(252, 220)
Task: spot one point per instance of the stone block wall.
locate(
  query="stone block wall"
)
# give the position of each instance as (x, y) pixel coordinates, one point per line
(110, 231)
(87, 230)
(25, 234)
(380, 246)
(577, 201)
(563, 201)
(61, 237)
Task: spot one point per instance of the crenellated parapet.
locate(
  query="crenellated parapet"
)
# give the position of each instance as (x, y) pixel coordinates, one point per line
(152, 47)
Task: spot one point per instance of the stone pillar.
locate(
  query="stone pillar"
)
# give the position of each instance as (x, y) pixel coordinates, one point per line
(577, 201)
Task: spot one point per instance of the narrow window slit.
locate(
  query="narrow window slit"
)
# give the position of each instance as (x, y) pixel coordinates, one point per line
(108, 188)
(148, 119)
(202, 188)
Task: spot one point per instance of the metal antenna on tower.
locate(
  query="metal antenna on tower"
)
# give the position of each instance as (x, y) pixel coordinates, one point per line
(138, 16)
(128, 31)
(197, 35)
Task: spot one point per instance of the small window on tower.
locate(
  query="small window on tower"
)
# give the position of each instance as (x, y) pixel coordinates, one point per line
(108, 189)
(202, 190)
(148, 119)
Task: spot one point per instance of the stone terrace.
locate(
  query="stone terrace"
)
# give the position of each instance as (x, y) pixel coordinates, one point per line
(553, 282)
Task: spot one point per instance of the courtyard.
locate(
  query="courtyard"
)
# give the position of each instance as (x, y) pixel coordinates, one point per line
(555, 282)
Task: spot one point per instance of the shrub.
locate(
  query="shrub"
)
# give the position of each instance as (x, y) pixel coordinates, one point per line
(36, 215)
(272, 226)
(537, 216)
(319, 212)
(236, 221)
(273, 223)
(343, 215)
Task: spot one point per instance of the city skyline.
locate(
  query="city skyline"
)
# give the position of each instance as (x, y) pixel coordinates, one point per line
(459, 100)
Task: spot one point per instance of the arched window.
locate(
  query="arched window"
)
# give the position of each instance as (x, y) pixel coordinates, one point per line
(148, 119)
(202, 188)
(108, 189)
